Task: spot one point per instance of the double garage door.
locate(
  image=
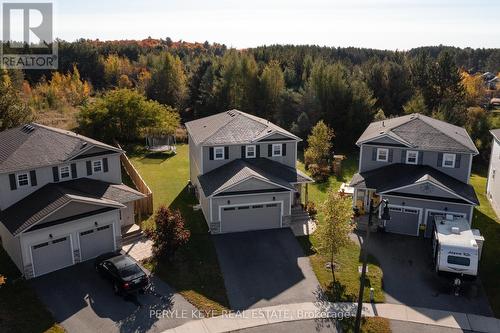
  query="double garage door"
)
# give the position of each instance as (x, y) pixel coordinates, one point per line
(58, 253)
(404, 220)
(248, 217)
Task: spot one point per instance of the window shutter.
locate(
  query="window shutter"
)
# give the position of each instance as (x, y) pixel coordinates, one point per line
(391, 153)
(12, 179)
(269, 150)
(211, 153)
(283, 149)
(33, 178)
(440, 160)
(105, 167)
(226, 153)
(420, 157)
(55, 173)
(458, 157)
(243, 151)
(89, 168)
(258, 151)
(374, 154)
(73, 170)
(403, 156)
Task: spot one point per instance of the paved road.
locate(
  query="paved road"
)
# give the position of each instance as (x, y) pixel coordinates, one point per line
(83, 302)
(263, 268)
(409, 277)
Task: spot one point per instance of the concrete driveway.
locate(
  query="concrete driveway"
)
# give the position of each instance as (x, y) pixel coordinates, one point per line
(263, 268)
(83, 302)
(409, 277)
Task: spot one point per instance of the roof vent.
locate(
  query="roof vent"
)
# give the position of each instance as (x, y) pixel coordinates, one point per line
(84, 144)
(28, 128)
(455, 230)
(383, 123)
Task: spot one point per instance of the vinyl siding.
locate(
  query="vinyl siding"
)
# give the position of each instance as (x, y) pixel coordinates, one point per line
(430, 158)
(493, 188)
(45, 176)
(235, 153)
(12, 246)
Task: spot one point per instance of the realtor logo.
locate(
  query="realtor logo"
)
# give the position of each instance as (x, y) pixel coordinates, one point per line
(27, 39)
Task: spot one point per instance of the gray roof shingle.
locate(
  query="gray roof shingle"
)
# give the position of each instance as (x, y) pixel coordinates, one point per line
(224, 177)
(232, 127)
(398, 175)
(34, 145)
(38, 205)
(422, 132)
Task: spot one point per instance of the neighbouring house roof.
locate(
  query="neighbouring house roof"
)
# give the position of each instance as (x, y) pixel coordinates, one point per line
(232, 127)
(41, 203)
(34, 145)
(421, 132)
(395, 176)
(496, 133)
(232, 173)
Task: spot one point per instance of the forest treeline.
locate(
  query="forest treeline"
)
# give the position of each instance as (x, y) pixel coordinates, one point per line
(294, 86)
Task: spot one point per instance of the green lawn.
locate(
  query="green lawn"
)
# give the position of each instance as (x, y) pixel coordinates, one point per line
(20, 308)
(195, 271)
(346, 287)
(489, 225)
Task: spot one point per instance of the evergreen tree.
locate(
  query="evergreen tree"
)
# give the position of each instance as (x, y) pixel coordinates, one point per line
(168, 82)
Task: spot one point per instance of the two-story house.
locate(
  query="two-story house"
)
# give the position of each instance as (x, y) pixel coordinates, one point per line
(421, 165)
(493, 187)
(62, 200)
(244, 171)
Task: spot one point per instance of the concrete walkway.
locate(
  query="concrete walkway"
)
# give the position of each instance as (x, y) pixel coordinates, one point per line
(306, 311)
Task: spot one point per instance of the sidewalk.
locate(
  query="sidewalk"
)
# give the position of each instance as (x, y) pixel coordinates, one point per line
(307, 311)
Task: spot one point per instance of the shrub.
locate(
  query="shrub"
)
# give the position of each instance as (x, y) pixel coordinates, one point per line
(311, 209)
(319, 173)
(169, 233)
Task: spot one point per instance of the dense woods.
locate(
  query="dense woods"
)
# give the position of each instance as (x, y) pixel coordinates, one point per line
(294, 86)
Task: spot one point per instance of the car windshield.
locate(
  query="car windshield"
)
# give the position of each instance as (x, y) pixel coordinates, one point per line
(130, 270)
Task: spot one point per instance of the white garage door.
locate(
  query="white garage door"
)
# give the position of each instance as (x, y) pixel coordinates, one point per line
(96, 241)
(255, 216)
(404, 220)
(52, 255)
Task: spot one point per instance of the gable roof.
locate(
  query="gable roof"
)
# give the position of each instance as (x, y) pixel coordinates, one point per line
(496, 133)
(421, 132)
(398, 175)
(53, 196)
(34, 145)
(237, 171)
(232, 127)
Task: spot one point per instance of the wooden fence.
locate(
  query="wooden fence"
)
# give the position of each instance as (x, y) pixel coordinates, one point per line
(143, 206)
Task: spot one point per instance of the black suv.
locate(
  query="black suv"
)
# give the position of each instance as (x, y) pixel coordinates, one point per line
(123, 272)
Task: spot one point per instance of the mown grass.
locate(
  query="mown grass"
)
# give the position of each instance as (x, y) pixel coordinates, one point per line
(20, 308)
(194, 272)
(347, 278)
(489, 224)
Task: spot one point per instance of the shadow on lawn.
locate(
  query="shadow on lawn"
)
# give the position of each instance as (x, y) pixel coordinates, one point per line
(156, 157)
(195, 270)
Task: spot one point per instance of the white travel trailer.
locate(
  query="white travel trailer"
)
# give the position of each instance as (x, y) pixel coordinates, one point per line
(456, 247)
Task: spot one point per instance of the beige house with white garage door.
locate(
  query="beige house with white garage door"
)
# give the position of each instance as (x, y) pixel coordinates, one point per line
(62, 200)
(243, 169)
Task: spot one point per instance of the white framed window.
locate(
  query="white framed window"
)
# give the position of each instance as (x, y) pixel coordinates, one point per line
(250, 151)
(219, 153)
(449, 160)
(64, 172)
(277, 149)
(23, 179)
(382, 154)
(97, 166)
(412, 157)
